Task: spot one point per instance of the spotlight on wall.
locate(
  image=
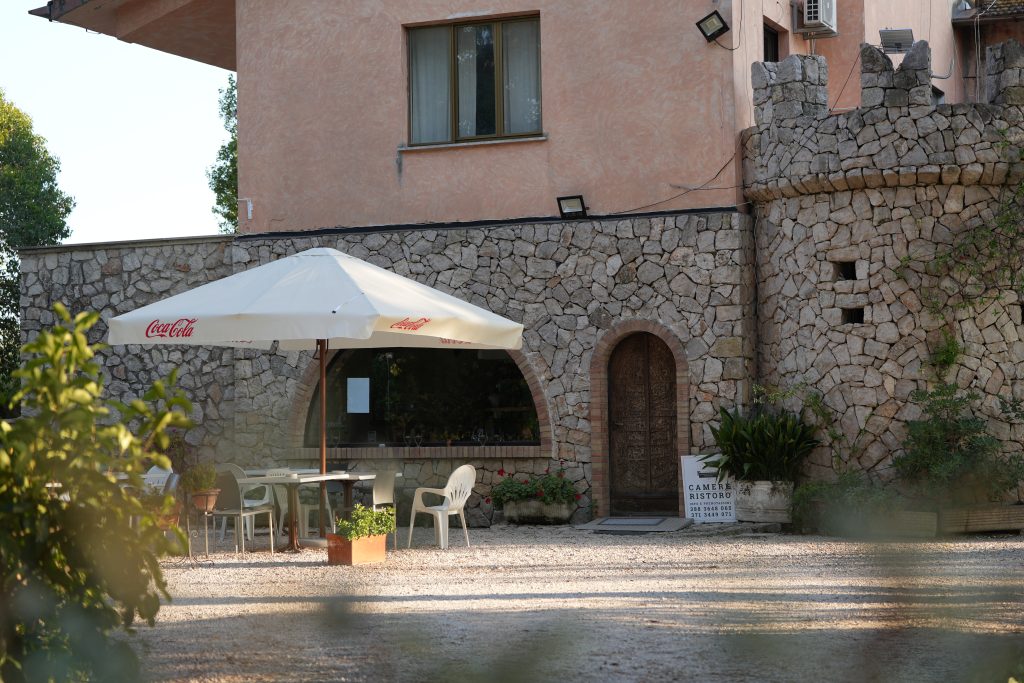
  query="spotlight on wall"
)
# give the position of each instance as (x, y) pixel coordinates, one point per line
(572, 206)
(896, 40)
(712, 26)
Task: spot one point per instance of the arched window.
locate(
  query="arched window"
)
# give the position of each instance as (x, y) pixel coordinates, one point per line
(424, 397)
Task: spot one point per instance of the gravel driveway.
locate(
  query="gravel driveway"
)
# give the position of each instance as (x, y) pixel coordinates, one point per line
(557, 604)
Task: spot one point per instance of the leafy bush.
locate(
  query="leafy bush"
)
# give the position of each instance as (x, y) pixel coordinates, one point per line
(71, 568)
(549, 488)
(366, 522)
(200, 477)
(841, 507)
(949, 455)
(766, 446)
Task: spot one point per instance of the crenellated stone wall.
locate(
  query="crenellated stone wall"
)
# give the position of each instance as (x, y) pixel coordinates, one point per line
(570, 283)
(851, 210)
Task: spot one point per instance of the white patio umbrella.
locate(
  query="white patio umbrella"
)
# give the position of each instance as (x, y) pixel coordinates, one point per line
(316, 299)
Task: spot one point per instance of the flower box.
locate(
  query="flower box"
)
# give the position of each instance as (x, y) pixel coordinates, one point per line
(764, 501)
(537, 512)
(364, 550)
(977, 518)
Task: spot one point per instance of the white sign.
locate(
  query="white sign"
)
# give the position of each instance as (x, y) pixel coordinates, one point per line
(358, 394)
(707, 499)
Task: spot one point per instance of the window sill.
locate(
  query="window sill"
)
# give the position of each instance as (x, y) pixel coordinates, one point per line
(472, 143)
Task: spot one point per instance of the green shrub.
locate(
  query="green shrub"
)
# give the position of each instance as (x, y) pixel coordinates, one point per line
(200, 477)
(71, 568)
(366, 522)
(841, 507)
(766, 446)
(549, 488)
(949, 455)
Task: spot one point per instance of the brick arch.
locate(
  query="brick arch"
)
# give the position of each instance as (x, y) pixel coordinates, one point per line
(599, 402)
(307, 387)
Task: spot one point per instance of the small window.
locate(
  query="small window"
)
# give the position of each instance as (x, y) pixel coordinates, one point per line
(938, 96)
(771, 44)
(472, 81)
(853, 315)
(845, 270)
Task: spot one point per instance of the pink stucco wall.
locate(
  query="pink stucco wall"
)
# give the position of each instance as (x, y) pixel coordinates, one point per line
(637, 107)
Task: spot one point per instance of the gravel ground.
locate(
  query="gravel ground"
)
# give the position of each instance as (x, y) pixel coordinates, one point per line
(557, 604)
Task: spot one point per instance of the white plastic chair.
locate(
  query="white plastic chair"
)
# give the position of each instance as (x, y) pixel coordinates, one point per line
(231, 504)
(265, 497)
(156, 478)
(456, 492)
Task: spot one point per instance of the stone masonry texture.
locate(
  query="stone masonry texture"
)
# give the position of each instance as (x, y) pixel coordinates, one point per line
(884, 188)
(569, 283)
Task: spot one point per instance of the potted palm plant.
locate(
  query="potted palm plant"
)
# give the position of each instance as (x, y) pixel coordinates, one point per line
(765, 452)
(362, 538)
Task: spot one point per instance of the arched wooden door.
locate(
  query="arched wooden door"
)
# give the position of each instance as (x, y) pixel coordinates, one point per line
(643, 467)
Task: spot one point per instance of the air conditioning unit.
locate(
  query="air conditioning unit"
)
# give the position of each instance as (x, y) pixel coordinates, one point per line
(815, 18)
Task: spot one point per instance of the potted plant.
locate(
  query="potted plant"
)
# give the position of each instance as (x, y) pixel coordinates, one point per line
(764, 452)
(548, 499)
(952, 465)
(198, 481)
(362, 538)
(166, 512)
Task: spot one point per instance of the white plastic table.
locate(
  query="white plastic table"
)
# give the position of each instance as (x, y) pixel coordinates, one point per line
(293, 480)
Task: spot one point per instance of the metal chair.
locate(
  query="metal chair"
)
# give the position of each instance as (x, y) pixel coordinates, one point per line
(456, 492)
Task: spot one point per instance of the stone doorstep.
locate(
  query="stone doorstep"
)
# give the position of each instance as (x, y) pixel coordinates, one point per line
(621, 525)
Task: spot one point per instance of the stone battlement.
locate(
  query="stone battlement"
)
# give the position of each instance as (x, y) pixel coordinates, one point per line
(898, 137)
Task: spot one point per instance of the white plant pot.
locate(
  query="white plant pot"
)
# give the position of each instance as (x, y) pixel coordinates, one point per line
(764, 501)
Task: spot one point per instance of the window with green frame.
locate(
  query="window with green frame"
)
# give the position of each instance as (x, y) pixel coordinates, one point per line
(474, 81)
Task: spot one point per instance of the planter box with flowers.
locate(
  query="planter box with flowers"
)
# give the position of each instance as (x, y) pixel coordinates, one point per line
(548, 499)
(362, 538)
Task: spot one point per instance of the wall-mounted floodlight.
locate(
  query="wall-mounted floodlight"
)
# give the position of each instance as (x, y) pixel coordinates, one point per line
(896, 40)
(712, 26)
(572, 206)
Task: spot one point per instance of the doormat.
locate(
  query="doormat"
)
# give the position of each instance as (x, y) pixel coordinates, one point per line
(635, 525)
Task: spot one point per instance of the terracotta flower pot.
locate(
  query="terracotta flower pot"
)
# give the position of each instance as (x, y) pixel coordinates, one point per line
(340, 550)
(205, 500)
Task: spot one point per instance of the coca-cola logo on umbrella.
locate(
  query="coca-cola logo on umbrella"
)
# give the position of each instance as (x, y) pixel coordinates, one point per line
(411, 325)
(181, 328)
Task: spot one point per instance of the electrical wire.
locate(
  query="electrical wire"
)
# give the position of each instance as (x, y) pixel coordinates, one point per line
(702, 186)
(843, 89)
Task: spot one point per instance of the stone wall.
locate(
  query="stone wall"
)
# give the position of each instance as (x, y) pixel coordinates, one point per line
(569, 283)
(851, 210)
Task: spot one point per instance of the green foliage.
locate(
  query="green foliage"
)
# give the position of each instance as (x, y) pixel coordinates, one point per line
(841, 507)
(71, 567)
(844, 450)
(199, 477)
(985, 259)
(945, 354)
(949, 455)
(552, 487)
(223, 174)
(366, 522)
(32, 213)
(765, 446)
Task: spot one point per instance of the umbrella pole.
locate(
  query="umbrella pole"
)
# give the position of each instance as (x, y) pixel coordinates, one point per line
(321, 347)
